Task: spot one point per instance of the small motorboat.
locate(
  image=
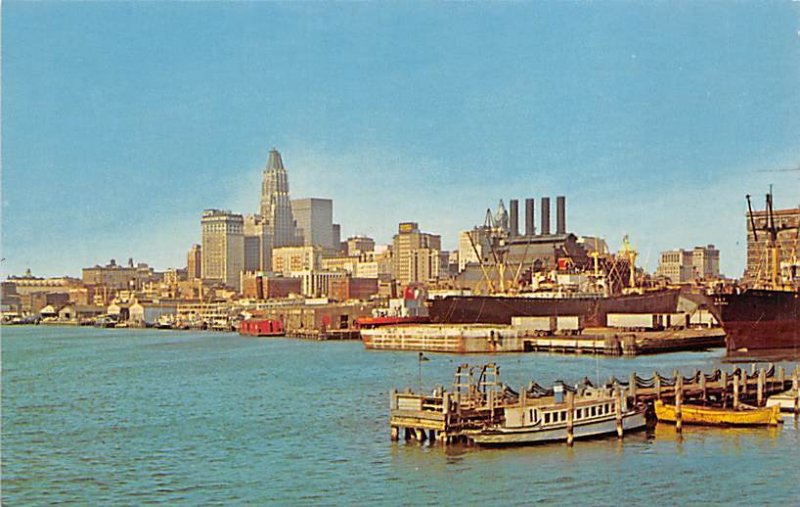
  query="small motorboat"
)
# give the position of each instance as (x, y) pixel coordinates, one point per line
(711, 416)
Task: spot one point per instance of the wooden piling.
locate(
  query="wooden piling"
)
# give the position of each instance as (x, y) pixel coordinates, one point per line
(570, 417)
(678, 401)
(618, 411)
(796, 387)
(762, 377)
(743, 380)
(632, 385)
(724, 381)
(657, 382)
(736, 391)
(703, 387)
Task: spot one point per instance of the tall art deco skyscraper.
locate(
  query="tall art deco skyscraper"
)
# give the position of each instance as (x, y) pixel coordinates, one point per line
(276, 210)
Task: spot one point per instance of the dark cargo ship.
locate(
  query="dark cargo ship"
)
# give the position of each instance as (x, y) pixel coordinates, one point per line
(759, 320)
(500, 309)
(764, 320)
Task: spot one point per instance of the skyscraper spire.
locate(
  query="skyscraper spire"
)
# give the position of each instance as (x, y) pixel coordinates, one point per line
(276, 209)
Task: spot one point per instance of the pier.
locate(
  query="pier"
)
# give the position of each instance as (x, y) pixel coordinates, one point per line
(478, 400)
(492, 339)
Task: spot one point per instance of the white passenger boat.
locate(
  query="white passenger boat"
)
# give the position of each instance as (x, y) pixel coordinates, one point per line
(786, 400)
(545, 419)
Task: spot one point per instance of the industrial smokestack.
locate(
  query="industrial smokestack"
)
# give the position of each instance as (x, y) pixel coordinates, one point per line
(530, 227)
(545, 215)
(514, 217)
(561, 215)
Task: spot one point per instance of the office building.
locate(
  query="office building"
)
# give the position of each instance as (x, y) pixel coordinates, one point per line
(222, 247)
(276, 210)
(314, 219)
(415, 254)
(194, 263)
(257, 244)
(683, 266)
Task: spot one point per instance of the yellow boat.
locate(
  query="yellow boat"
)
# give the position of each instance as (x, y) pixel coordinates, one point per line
(708, 416)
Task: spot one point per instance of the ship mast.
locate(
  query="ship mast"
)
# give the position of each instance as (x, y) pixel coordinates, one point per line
(772, 245)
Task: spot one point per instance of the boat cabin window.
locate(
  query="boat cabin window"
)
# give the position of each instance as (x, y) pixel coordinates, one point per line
(594, 411)
(563, 415)
(547, 417)
(580, 413)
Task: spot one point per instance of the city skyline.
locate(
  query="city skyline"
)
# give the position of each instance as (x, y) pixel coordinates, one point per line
(120, 127)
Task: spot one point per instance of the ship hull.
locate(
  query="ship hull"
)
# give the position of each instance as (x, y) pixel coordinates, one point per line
(761, 321)
(500, 309)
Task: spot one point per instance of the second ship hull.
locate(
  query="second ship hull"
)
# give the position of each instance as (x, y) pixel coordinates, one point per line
(761, 321)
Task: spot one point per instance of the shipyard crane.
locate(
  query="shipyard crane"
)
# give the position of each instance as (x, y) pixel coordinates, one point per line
(629, 254)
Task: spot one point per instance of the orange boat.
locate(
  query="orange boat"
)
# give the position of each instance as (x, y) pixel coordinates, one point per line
(709, 416)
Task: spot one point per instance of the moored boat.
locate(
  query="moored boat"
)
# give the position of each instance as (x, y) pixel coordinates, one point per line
(546, 419)
(710, 416)
(788, 401)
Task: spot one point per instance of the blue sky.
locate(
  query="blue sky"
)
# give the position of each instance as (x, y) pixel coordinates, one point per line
(121, 122)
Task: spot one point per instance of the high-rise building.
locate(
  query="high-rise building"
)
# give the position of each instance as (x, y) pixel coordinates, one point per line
(257, 244)
(222, 247)
(705, 262)
(473, 247)
(276, 210)
(682, 266)
(757, 255)
(289, 259)
(356, 245)
(314, 219)
(415, 254)
(337, 237)
(194, 263)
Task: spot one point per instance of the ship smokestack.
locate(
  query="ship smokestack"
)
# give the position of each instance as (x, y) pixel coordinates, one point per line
(561, 215)
(530, 228)
(545, 215)
(513, 204)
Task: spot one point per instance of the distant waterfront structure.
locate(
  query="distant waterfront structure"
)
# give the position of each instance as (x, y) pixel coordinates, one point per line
(194, 262)
(222, 247)
(682, 266)
(415, 254)
(276, 209)
(788, 242)
(114, 277)
(314, 219)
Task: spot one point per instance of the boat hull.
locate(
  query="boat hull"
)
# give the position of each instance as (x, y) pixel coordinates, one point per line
(500, 309)
(707, 416)
(786, 402)
(758, 321)
(607, 426)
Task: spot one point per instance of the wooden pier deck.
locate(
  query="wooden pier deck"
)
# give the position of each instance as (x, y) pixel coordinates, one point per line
(477, 401)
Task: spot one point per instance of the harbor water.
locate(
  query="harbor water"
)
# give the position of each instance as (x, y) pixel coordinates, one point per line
(105, 416)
